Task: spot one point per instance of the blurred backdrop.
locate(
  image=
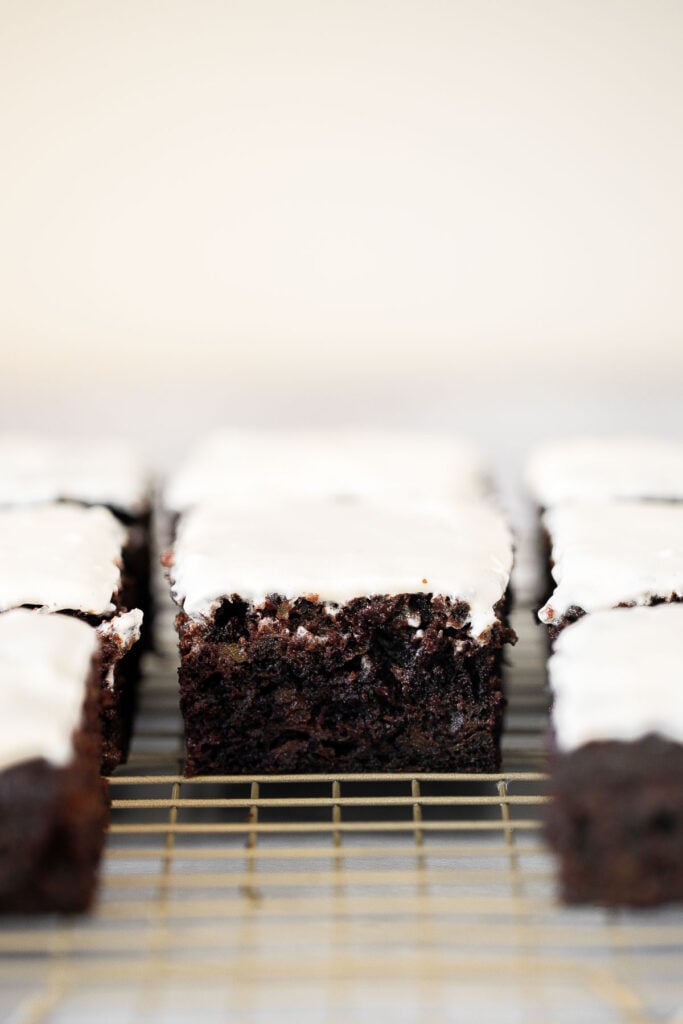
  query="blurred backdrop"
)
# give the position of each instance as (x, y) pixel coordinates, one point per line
(456, 213)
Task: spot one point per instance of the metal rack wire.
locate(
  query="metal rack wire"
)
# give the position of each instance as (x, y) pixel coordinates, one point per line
(374, 897)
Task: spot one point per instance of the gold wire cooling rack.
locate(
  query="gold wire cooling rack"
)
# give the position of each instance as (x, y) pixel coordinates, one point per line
(337, 898)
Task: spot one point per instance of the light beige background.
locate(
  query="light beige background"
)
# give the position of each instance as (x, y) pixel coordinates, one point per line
(288, 208)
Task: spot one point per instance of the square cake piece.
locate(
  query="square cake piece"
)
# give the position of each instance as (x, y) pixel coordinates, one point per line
(68, 558)
(40, 469)
(322, 636)
(326, 464)
(616, 817)
(588, 469)
(53, 803)
(609, 554)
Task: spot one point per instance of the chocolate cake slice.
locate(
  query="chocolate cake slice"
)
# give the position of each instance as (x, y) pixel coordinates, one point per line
(67, 558)
(616, 818)
(53, 803)
(40, 468)
(324, 636)
(610, 554)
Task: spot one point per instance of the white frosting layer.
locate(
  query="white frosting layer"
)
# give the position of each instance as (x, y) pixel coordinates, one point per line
(39, 468)
(618, 675)
(44, 666)
(339, 551)
(595, 469)
(60, 557)
(610, 553)
(266, 465)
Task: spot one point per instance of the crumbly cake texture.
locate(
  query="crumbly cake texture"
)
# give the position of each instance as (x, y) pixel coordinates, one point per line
(590, 469)
(610, 554)
(264, 466)
(616, 817)
(137, 570)
(68, 558)
(120, 661)
(53, 803)
(332, 636)
(616, 822)
(382, 684)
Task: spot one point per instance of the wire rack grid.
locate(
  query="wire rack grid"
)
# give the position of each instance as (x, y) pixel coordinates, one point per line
(373, 897)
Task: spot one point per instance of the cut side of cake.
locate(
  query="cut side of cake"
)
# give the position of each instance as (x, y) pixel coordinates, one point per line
(325, 635)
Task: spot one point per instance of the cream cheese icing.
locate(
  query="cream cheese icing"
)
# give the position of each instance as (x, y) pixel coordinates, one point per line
(45, 661)
(37, 468)
(60, 557)
(598, 468)
(612, 553)
(340, 550)
(618, 675)
(266, 465)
